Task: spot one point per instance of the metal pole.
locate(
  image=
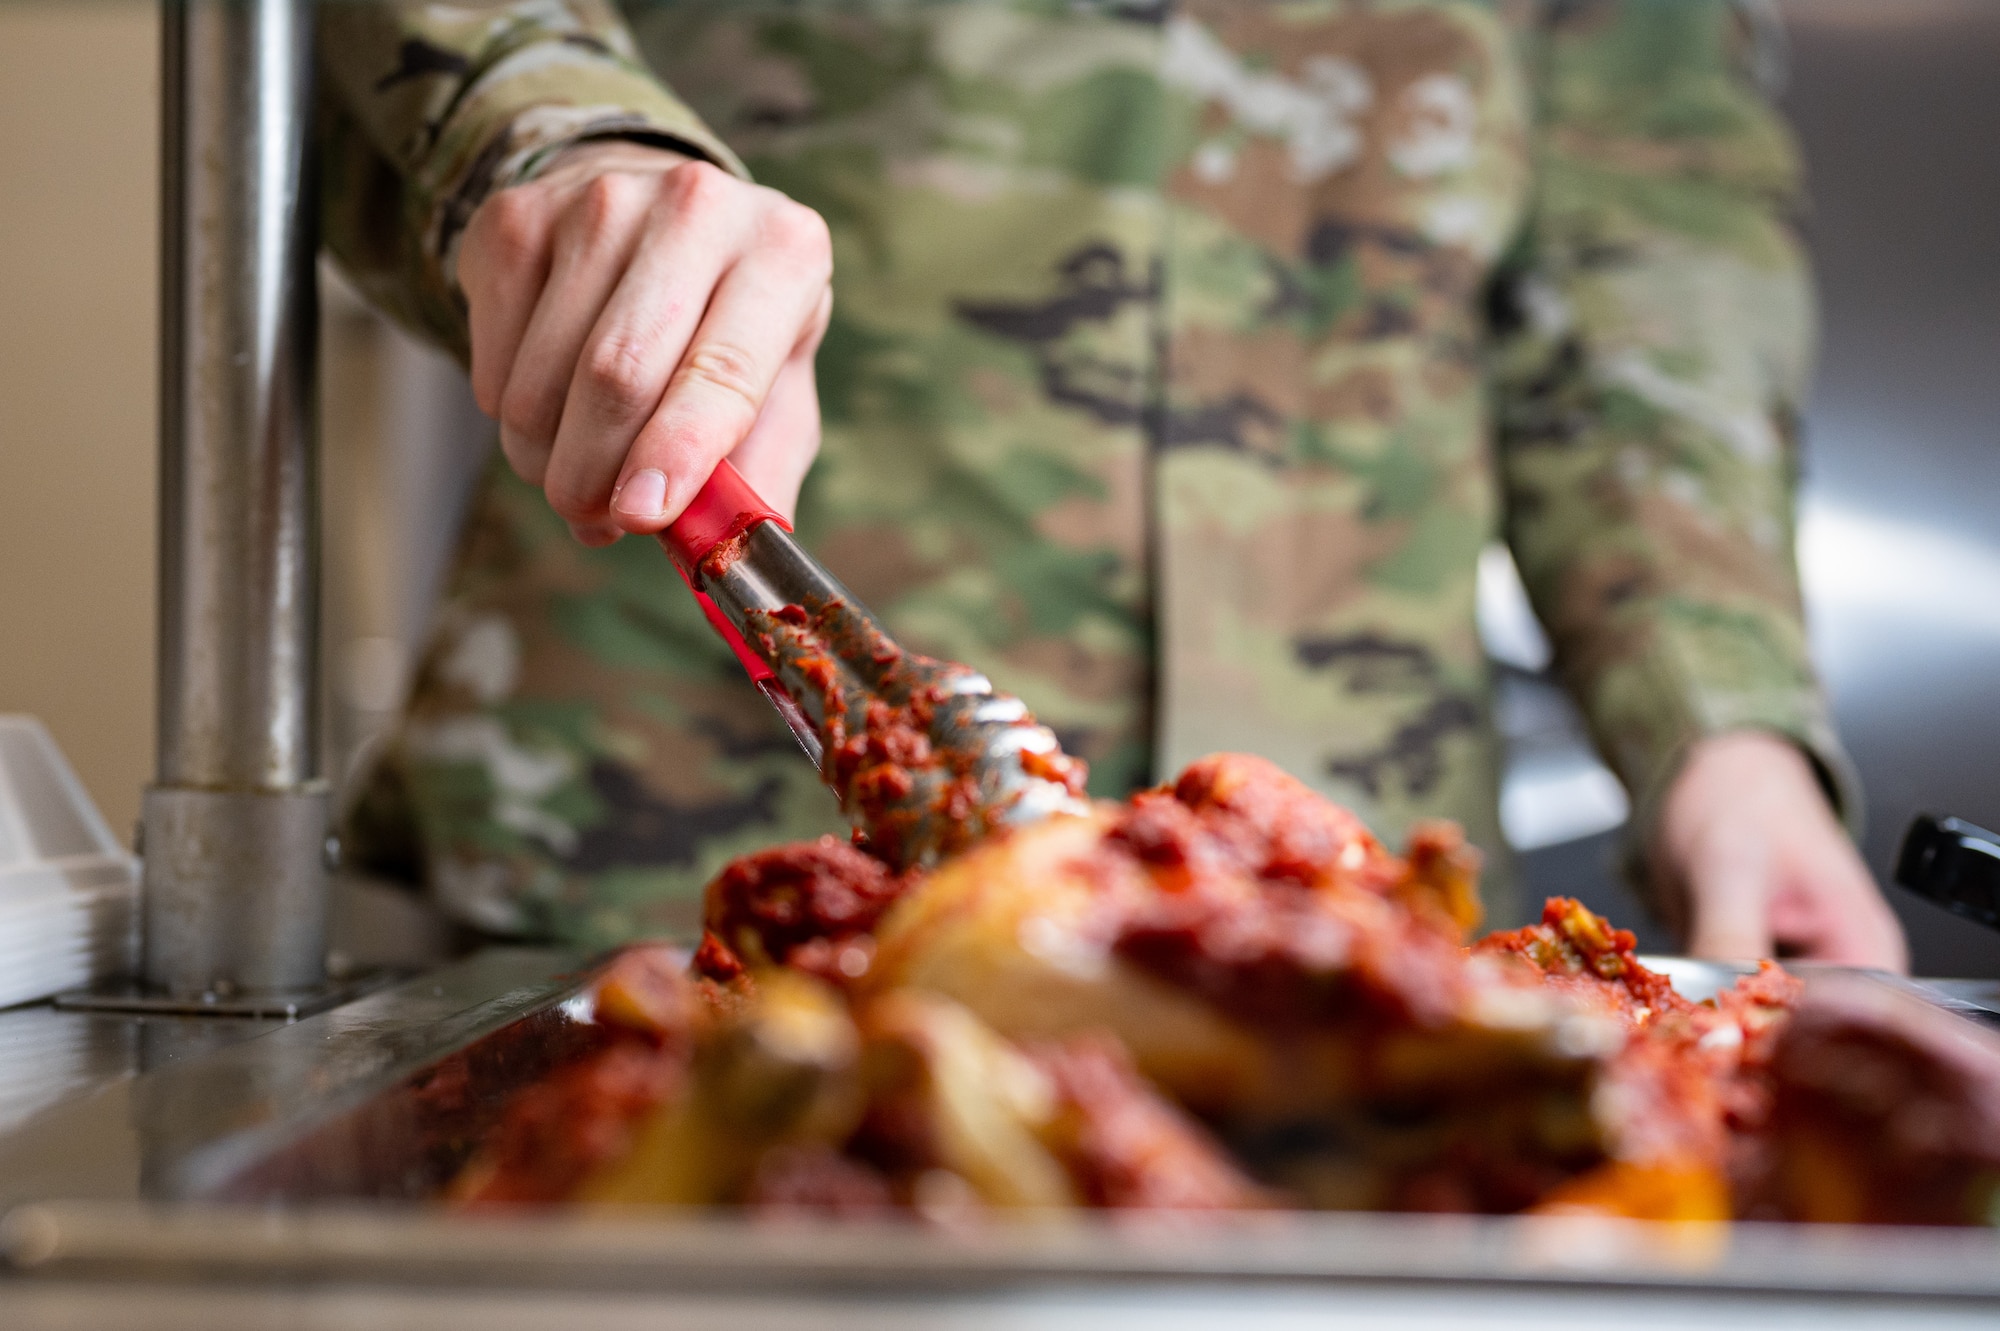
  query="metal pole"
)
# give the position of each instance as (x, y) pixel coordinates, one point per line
(234, 828)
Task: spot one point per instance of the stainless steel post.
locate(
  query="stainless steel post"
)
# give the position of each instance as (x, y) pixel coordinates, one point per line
(234, 828)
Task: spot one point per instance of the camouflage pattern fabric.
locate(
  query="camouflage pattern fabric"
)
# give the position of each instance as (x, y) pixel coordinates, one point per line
(1183, 358)
(426, 109)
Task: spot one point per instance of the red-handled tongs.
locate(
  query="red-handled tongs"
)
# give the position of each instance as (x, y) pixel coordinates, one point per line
(724, 510)
(924, 755)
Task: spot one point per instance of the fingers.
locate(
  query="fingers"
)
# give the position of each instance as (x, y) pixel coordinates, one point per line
(591, 245)
(1884, 947)
(1829, 909)
(766, 309)
(594, 534)
(1725, 876)
(1798, 888)
(780, 448)
(1729, 920)
(502, 268)
(643, 331)
(630, 326)
(1854, 940)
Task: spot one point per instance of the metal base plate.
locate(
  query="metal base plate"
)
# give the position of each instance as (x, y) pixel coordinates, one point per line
(288, 1004)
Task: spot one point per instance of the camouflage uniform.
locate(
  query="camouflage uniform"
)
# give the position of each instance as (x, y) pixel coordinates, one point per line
(1183, 358)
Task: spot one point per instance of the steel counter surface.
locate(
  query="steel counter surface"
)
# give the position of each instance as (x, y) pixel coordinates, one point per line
(185, 1129)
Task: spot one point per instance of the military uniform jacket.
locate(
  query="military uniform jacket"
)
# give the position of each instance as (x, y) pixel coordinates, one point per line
(1184, 356)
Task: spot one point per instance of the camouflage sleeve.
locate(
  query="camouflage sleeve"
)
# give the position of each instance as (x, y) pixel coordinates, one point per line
(1654, 335)
(427, 108)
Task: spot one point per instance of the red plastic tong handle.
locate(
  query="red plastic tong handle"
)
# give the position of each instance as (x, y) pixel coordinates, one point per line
(724, 508)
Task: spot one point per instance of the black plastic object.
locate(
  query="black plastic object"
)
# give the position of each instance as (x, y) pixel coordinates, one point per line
(1955, 864)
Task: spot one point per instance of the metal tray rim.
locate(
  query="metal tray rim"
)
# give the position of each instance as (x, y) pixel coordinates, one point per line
(705, 1253)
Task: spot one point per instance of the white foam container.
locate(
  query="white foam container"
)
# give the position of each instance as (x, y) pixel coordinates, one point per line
(69, 892)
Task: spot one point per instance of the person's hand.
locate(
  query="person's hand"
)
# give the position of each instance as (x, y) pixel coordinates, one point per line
(636, 317)
(1754, 862)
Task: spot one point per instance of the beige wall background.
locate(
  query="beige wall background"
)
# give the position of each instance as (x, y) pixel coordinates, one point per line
(400, 437)
(78, 86)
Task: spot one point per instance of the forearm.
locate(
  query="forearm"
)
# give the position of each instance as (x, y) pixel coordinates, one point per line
(1647, 395)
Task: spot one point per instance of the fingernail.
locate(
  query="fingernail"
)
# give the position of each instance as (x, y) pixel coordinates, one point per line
(643, 495)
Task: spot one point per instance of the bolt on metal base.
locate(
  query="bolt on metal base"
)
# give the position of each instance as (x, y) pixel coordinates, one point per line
(289, 1005)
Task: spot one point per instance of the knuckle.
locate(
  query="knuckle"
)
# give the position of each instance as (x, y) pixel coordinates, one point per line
(509, 226)
(603, 203)
(617, 372)
(523, 415)
(485, 388)
(569, 502)
(487, 377)
(724, 368)
(822, 318)
(527, 462)
(800, 232)
(698, 184)
(593, 534)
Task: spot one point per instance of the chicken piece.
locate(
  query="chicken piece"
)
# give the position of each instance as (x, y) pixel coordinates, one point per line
(1580, 953)
(1126, 1147)
(1735, 1035)
(1721, 1048)
(809, 906)
(1021, 931)
(815, 1181)
(1054, 1125)
(947, 1096)
(1759, 1005)
(1280, 830)
(579, 1119)
(1222, 929)
(780, 1072)
(1754, 1012)
(646, 992)
(1885, 1110)
(1509, 1126)
(1261, 957)
(1443, 877)
(554, 1132)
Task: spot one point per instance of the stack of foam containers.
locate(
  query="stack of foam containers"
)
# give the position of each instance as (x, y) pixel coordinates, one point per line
(69, 892)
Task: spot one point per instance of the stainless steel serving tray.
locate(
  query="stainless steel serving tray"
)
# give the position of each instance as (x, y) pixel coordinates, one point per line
(345, 1104)
(283, 1175)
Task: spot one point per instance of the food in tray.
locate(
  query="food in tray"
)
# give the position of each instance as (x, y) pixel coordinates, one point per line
(1227, 993)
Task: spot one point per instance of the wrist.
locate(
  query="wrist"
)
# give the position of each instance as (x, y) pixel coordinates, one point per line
(590, 157)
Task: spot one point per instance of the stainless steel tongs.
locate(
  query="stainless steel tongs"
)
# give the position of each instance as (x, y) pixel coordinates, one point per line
(925, 756)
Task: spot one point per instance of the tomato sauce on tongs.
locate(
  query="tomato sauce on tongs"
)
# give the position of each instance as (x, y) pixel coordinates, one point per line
(925, 755)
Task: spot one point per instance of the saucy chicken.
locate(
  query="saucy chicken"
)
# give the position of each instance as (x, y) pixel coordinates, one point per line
(1227, 993)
